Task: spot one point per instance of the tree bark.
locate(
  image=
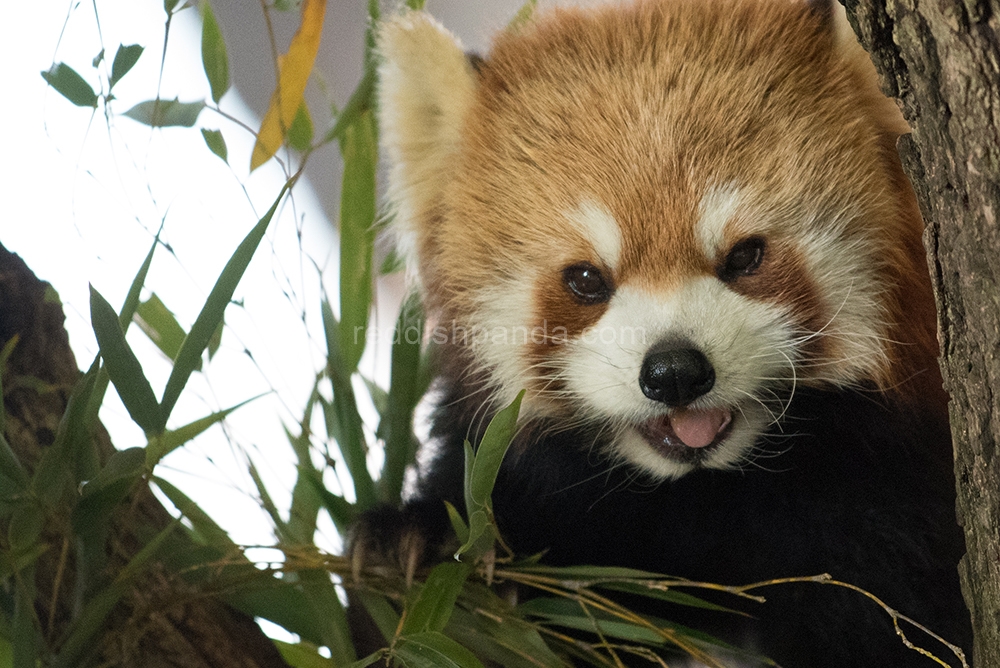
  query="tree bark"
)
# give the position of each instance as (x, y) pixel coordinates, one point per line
(941, 60)
(163, 621)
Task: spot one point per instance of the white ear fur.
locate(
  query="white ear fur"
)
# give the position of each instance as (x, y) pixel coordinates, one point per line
(885, 110)
(426, 85)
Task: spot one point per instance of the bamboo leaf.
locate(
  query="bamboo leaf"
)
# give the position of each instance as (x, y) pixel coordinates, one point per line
(319, 590)
(83, 631)
(501, 635)
(404, 393)
(436, 598)
(189, 356)
(161, 113)
(341, 511)
(294, 71)
(125, 59)
(378, 608)
(433, 650)
(359, 102)
(163, 444)
(26, 526)
(491, 451)
(357, 218)
(26, 636)
(343, 418)
(302, 655)
(68, 83)
(108, 489)
(482, 475)
(204, 526)
(523, 15)
(10, 466)
(458, 524)
(123, 367)
(160, 325)
(216, 143)
(213, 54)
(300, 134)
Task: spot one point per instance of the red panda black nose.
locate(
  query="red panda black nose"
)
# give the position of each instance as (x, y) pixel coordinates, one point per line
(675, 375)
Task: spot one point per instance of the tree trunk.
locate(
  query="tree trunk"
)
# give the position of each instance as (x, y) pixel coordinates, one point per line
(162, 621)
(941, 60)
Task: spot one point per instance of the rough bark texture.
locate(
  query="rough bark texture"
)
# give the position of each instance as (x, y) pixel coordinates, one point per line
(162, 622)
(941, 59)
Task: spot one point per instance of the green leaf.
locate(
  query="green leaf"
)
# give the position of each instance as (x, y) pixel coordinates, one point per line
(482, 475)
(189, 356)
(15, 562)
(123, 367)
(27, 639)
(322, 594)
(279, 601)
(302, 655)
(53, 477)
(371, 659)
(306, 502)
(216, 144)
(660, 594)
(378, 608)
(568, 613)
(83, 631)
(436, 598)
(216, 340)
(343, 420)
(359, 102)
(161, 445)
(458, 524)
(357, 218)
(125, 59)
(25, 527)
(495, 631)
(213, 54)
(71, 85)
(205, 527)
(107, 490)
(523, 15)
(300, 134)
(404, 393)
(433, 650)
(160, 325)
(342, 512)
(10, 466)
(491, 451)
(160, 113)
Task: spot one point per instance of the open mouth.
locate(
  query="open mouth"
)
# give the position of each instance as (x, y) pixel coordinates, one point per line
(687, 433)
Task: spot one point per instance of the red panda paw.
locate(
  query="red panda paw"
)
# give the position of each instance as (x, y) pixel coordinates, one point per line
(391, 542)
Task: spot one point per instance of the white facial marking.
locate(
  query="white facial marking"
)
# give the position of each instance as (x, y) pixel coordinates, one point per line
(600, 228)
(747, 342)
(717, 207)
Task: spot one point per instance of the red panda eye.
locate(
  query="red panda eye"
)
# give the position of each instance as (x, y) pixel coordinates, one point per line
(743, 259)
(586, 283)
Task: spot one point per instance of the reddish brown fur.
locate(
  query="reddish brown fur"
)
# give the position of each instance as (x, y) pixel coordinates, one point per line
(575, 106)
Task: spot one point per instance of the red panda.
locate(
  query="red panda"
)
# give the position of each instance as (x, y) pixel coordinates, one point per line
(682, 227)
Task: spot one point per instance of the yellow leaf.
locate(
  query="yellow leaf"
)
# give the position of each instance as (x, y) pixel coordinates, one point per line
(293, 73)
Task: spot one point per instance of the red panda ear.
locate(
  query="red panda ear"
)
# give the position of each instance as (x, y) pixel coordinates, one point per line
(884, 111)
(426, 85)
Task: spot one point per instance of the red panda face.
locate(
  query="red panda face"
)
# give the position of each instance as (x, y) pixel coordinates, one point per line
(659, 221)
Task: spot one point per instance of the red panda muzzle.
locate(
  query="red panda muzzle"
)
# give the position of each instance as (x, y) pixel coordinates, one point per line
(676, 376)
(687, 428)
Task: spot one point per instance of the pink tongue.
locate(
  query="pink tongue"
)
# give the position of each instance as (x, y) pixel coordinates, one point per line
(698, 428)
